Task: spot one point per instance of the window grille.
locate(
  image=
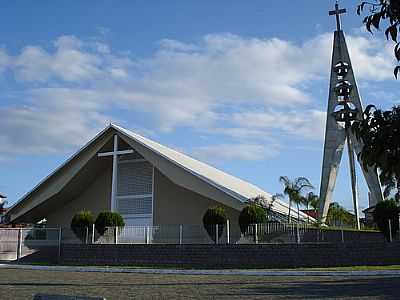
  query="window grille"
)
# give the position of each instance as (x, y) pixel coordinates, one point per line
(135, 178)
(135, 188)
(135, 206)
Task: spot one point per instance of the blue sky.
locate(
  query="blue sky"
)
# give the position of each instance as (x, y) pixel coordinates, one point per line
(241, 85)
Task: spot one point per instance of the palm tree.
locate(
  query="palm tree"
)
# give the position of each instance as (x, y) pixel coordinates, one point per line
(293, 190)
(311, 200)
(339, 216)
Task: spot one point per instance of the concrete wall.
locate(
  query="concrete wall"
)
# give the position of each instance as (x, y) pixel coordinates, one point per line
(235, 256)
(174, 204)
(95, 198)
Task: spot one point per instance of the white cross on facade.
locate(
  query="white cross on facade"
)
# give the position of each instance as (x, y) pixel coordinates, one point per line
(114, 154)
(337, 12)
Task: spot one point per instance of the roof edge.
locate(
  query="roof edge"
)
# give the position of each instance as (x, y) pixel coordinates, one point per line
(74, 155)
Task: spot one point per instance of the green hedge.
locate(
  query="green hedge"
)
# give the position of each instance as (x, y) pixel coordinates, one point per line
(108, 219)
(82, 221)
(251, 214)
(213, 216)
(385, 211)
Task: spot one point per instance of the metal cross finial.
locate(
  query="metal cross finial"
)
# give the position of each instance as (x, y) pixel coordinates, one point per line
(337, 12)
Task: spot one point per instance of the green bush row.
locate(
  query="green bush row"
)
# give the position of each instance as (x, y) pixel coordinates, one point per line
(251, 214)
(85, 219)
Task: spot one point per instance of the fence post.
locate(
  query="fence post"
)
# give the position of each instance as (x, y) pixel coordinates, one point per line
(59, 244)
(399, 228)
(147, 235)
(297, 233)
(19, 244)
(115, 235)
(256, 234)
(390, 231)
(342, 236)
(216, 233)
(93, 231)
(227, 232)
(180, 234)
(86, 235)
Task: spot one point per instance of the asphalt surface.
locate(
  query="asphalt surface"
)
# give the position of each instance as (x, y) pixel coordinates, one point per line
(24, 284)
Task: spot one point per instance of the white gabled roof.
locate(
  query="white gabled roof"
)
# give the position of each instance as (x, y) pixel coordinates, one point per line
(235, 187)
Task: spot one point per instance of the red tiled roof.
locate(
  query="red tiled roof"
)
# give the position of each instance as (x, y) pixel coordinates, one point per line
(310, 212)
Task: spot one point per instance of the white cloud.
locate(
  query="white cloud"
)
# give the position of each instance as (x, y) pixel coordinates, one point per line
(309, 124)
(70, 62)
(242, 88)
(372, 58)
(248, 152)
(52, 121)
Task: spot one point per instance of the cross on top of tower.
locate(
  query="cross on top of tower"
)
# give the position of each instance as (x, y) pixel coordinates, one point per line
(337, 12)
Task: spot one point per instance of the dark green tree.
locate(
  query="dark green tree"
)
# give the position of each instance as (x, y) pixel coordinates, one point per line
(253, 213)
(311, 200)
(380, 133)
(108, 219)
(339, 216)
(81, 222)
(293, 190)
(213, 216)
(383, 11)
(385, 211)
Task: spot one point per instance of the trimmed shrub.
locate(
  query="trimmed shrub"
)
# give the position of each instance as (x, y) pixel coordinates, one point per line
(82, 220)
(213, 216)
(385, 211)
(251, 214)
(108, 219)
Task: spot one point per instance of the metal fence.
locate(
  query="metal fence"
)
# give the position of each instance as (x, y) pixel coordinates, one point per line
(16, 243)
(19, 243)
(304, 233)
(162, 234)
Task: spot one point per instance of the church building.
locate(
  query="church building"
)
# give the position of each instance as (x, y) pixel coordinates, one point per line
(147, 183)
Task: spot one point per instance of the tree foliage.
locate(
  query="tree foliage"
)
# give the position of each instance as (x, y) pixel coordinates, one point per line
(339, 216)
(387, 11)
(263, 201)
(253, 213)
(108, 219)
(293, 190)
(385, 211)
(380, 133)
(311, 200)
(213, 216)
(80, 223)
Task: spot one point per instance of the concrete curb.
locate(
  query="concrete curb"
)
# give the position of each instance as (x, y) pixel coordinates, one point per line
(202, 272)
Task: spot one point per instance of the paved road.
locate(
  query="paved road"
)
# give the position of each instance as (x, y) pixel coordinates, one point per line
(23, 284)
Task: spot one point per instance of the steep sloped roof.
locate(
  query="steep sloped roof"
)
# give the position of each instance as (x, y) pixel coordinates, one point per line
(237, 189)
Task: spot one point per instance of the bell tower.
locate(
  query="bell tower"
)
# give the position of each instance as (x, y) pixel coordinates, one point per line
(344, 107)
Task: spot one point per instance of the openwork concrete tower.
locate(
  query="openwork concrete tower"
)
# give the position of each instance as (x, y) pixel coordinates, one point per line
(344, 107)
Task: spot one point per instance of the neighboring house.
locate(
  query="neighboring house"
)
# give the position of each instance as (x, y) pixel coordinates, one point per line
(147, 183)
(369, 212)
(369, 216)
(3, 202)
(310, 212)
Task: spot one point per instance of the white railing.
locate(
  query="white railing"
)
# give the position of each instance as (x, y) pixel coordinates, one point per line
(162, 234)
(16, 243)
